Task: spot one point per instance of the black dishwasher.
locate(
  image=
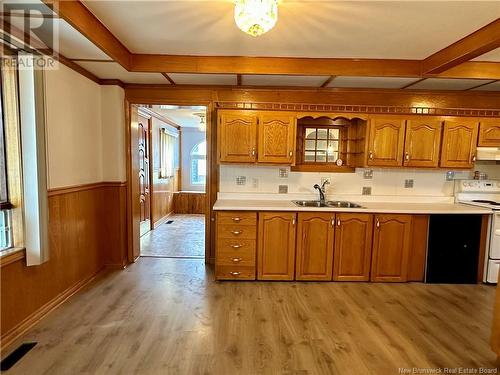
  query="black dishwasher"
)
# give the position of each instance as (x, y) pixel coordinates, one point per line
(453, 249)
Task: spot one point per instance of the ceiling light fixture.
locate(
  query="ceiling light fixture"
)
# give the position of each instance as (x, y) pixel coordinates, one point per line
(255, 17)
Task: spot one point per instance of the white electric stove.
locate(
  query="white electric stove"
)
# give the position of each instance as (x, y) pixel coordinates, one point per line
(485, 193)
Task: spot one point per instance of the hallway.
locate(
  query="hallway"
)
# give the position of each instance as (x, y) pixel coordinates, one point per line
(184, 237)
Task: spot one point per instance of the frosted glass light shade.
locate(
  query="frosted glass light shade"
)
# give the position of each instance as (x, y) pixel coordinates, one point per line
(255, 17)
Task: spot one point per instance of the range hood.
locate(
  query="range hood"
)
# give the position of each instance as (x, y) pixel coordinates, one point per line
(488, 153)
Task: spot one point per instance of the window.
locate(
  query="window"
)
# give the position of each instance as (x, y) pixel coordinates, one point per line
(321, 145)
(199, 164)
(167, 153)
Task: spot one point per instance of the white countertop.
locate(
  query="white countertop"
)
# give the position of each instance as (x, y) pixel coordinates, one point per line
(368, 207)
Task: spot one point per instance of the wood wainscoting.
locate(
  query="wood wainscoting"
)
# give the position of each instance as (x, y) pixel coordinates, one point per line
(87, 231)
(189, 202)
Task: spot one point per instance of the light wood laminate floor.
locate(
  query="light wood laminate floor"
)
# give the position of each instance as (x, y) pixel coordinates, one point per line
(168, 316)
(184, 237)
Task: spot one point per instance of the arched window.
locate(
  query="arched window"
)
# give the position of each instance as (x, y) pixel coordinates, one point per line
(199, 163)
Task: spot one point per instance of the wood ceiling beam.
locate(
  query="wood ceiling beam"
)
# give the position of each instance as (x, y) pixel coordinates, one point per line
(78, 16)
(274, 65)
(473, 45)
(472, 69)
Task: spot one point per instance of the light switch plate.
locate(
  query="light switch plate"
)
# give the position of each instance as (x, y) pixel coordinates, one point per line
(409, 184)
(450, 176)
(255, 182)
(283, 189)
(283, 172)
(241, 180)
(367, 190)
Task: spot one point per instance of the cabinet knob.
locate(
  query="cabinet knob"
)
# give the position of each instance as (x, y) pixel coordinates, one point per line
(370, 155)
(473, 159)
(253, 151)
(338, 222)
(290, 153)
(378, 223)
(407, 156)
(293, 221)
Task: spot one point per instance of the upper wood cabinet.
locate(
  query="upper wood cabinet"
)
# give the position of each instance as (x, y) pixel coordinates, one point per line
(386, 142)
(422, 142)
(459, 143)
(315, 233)
(353, 247)
(276, 246)
(391, 248)
(276, 138)
(489, 133)
(237, 137)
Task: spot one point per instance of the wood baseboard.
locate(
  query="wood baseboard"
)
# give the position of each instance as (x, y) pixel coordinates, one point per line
(12, 335)
(162, 220)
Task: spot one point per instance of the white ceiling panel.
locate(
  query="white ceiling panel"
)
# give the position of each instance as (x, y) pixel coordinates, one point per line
(282, 80)
(371, 82)
(447, 84)
(490, 56)
(350, 29)
(495, 86)
(203, 79)
(112, 70)
(74, 45)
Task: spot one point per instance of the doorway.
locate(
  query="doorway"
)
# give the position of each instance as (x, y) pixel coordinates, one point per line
(171, 179)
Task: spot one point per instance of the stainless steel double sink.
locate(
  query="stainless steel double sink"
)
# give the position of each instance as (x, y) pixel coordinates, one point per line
(337, 204)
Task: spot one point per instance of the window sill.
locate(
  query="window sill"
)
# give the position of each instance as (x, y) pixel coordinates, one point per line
(9, 256)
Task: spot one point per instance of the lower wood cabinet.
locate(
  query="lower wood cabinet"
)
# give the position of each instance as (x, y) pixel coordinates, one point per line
(391, 248)
(353, 247)
(276, 246)
(315, 233)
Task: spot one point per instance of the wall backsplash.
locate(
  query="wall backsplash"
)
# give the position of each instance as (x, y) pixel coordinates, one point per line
(385, 182)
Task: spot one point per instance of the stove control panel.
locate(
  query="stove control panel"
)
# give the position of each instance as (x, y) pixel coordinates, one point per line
(482, 186)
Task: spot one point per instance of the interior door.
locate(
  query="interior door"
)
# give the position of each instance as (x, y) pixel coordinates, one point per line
(143, 147)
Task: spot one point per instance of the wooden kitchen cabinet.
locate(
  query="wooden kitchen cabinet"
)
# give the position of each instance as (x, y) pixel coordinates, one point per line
(353, 247)
(276, 246)
(237, 139)
(276, 140)
(459, 143)
(422, 143)
(489, 133)
(386, 142)
(315, 235)
(391, 247)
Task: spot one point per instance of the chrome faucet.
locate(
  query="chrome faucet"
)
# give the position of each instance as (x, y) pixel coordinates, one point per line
(321, 190)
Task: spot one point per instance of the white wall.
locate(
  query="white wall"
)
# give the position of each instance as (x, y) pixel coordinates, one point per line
(190, 138)
(85, 130)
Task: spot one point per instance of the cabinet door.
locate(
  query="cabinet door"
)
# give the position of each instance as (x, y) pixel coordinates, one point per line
(459, 143)
(489, 133)
(237, 137)
(276, 138)
(353, 247)
(391, 246)
(386, 142)
(276, 246)
(423, 138)
(315, 232)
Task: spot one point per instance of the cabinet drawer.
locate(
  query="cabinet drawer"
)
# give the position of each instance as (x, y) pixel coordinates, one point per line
(231, 259)
(235, 247)
(237, 231)
(238, 218)
(234, 273)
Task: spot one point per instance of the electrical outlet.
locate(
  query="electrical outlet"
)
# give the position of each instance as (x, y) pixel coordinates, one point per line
(450, 176)
(367, 190)
(241, 180)
(283, 172)
(368, 174)
(409, 184)
(283, 189)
